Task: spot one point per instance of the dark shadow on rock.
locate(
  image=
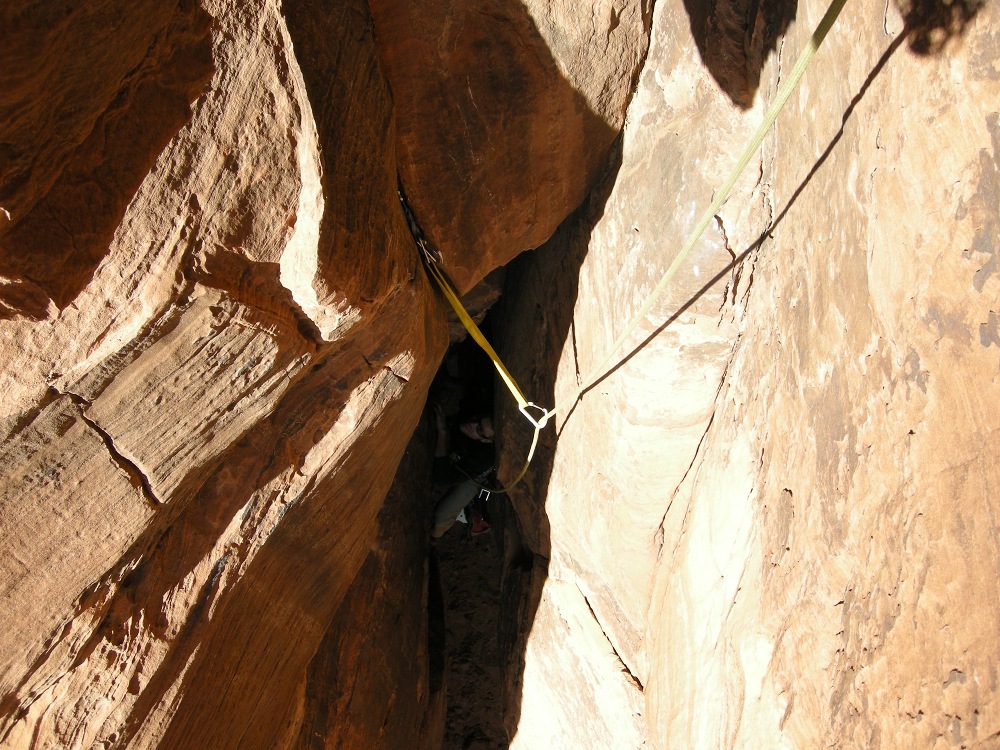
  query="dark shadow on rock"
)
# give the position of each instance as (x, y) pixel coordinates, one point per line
(50, 254)
(756, 244)
(359, 256)
(533, 326)
(734, 38)
(931, 24)
(495, 146)
(492, 83)
(379, 671)
(470, 570)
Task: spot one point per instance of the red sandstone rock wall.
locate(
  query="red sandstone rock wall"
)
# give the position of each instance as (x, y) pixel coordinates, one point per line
(775, 524)
(510, 108)
(217, 341)
(771, 526)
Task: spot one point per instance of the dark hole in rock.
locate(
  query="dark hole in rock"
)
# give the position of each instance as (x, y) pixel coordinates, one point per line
(467, 567)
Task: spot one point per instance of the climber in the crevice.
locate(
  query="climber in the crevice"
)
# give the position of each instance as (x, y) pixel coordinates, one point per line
(464, 458)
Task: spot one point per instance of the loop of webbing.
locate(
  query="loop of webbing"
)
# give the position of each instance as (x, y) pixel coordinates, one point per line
(523, 405)
(477, 335)
(541, 421)
(431, 262)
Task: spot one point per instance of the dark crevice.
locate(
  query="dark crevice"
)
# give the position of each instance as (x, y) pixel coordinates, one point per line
(136, 476)
(435, 625)
(464, 581)
(540, 292)
(621, 662)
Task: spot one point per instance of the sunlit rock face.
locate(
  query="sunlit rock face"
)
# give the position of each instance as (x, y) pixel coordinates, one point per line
(217, 341)
(774, 525)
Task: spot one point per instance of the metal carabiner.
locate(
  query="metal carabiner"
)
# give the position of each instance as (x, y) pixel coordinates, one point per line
(537, 423)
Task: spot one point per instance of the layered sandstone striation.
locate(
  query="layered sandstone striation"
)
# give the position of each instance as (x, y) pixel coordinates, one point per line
(207, 382)
(772, 525)
(218, 340)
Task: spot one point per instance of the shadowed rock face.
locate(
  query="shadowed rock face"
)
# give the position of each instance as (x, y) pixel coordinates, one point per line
(217, 343)
(82, 125)
(511, 107)
(771, 526)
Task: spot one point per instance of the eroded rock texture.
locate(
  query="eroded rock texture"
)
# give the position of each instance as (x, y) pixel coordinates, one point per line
(510, 107)
(774, 524)
(210, 383)
(217, 341)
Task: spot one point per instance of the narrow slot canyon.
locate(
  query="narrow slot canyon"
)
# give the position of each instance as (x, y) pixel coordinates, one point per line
(234, 389)
(466, 560)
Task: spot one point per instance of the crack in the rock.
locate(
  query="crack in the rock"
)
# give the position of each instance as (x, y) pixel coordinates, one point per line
(737, 268)
(660, 532)
(388, 368)
(725, 237)
(624, 667)
(660, 535)
(136, 476)
(396, 375)
(576, 354)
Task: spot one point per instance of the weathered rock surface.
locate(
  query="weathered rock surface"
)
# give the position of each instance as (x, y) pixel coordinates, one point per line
(377, 679)
(217, 342)
(509, 107)
(214, 372)
(773, 525)
(72, 157)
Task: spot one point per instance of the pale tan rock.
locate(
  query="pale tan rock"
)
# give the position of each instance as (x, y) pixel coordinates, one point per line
(55, 549)
(632, 438)
(603, 709)
(779, 509)
(857, 594)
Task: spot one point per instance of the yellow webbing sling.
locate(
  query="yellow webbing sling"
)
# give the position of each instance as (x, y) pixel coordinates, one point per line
(784, 92)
